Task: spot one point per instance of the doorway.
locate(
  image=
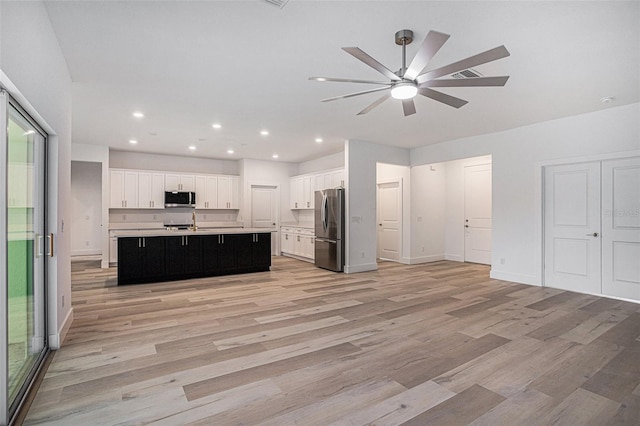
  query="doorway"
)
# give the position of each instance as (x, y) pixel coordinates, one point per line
(264, 211)
(592, 227)
(24, 248)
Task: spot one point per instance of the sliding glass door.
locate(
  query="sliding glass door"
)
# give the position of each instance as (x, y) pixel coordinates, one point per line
(24, 253)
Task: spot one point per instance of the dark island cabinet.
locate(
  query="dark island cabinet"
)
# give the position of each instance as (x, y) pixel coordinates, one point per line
(154, 259)
(183, 256)
(140, 259)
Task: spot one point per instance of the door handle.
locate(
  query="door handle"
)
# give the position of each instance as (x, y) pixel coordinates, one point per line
(50, 237)
(595, 234)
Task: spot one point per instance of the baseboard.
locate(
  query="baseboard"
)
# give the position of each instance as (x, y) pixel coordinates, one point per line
(56, 340)
(426, 259)
(348, 269)
(89, 252)
(515, 278)
(454, 257)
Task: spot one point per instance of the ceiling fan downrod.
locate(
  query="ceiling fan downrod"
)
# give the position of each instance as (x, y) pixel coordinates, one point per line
(404, 37)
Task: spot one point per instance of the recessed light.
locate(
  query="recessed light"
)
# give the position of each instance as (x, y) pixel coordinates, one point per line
(274, 156)
(192, 147)
(216, 126)
(133, 141)
(138, 114)
(607, 99)
(319, 140)
(264, 132)
(229, 151)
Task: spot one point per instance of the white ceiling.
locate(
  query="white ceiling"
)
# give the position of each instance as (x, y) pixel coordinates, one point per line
(245, 64)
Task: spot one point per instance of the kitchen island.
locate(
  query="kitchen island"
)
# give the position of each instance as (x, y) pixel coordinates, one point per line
(154, 255)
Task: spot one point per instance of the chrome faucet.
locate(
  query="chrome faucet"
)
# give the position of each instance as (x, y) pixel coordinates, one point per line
(193, 219)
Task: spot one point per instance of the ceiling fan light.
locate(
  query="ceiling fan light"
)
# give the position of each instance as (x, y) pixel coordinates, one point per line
(404, 90)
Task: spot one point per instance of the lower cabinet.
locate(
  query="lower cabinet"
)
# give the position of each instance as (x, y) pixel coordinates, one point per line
(298, 242)
(140, 259)
(154, 259)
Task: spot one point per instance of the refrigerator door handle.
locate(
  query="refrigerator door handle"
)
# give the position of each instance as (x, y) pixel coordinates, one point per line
(324, 212)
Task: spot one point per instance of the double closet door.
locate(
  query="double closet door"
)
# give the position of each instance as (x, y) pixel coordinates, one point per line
(23, 251)
(592, 227)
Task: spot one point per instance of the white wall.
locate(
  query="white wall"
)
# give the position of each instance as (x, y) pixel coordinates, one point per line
(266, 173)
(517, 159)
(333, 161)
(428, 213)
(175, 163)
(86, 212)
(386, 172)
(361, 160)
(35, 72)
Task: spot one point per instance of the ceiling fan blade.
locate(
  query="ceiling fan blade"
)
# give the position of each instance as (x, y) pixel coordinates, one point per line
(350, 95)
(347, 80)
(408, 106)
(430, 46)
(375, 104)
(467, 82)
(472, 61)
(364, 57)
(441, 97)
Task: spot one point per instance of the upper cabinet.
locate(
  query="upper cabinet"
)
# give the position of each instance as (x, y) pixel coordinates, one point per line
(303, 188)
(206, 192)
(228, 192)
(124, 189)
(180, 182)
(138, 189)
(150, 190)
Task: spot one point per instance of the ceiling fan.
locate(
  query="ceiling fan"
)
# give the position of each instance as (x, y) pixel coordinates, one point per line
(407, 82)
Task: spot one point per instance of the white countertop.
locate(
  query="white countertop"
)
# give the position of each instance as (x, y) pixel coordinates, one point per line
(297, 225)
(199, 231)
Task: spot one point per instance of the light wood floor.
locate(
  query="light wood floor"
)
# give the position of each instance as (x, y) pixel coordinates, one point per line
(440, 344)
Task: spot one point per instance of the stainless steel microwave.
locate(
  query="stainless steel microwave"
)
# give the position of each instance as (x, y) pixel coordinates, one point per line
(179, 199)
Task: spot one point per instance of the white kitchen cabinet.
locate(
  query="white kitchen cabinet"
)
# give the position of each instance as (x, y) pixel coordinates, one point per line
(180, 182)
(296, 197)
(150, 190)
(228, 189)
(303, 188)
(337, 178)
(298, 242)
(124, 189)
(206, 192)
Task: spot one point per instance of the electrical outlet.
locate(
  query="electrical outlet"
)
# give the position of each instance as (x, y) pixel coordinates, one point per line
(423, 249)
(86, 243)
(124, 217)
(362, 255)
(155, 217)
(502, 261)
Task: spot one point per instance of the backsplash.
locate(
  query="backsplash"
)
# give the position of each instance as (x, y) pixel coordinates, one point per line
(175, 216)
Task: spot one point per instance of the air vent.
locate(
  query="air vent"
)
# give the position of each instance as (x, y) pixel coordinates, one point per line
(470, 73)
(279, 3)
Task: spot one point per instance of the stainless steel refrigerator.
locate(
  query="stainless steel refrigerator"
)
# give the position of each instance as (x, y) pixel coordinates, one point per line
(329, 225)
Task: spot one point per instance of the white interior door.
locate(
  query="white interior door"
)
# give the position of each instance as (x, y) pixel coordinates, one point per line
(390, 219)
(264, 211)
(621, 228)
(477, 211)
(572, 227)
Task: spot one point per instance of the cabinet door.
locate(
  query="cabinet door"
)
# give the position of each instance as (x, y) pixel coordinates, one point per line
(234, 192)
(297, 193)
(193, 262)
(172, 182)
(153, 258)
(211, 192)
(211, 247)
(310, 249)
(337, 178)
(129, 261)
(157, 191)
(244, 250)
(227, 254)
(145, 188)
(285, 240)
(187, 182)
(131, 190)
(293, 193)
(228, 187)
(116, 189)
(306, 192)
(201, 192)
(174, 256)
(261, 250)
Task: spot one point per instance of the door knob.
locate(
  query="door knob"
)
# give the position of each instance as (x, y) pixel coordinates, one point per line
(595, 234)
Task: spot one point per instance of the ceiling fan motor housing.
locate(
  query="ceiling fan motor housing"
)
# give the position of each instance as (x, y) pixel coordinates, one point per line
(404, 37)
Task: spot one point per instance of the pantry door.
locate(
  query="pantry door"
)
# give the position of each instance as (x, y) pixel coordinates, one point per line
(572, 251)
(264, 211)
(621, 228)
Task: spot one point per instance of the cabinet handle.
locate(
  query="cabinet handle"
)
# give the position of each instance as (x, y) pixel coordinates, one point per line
(186, 239)
(139, 242)
(144, 243)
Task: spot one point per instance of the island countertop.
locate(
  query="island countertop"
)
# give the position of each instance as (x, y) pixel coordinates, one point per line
(177, 232)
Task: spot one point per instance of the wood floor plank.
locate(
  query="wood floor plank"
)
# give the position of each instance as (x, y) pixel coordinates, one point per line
(438, 343)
